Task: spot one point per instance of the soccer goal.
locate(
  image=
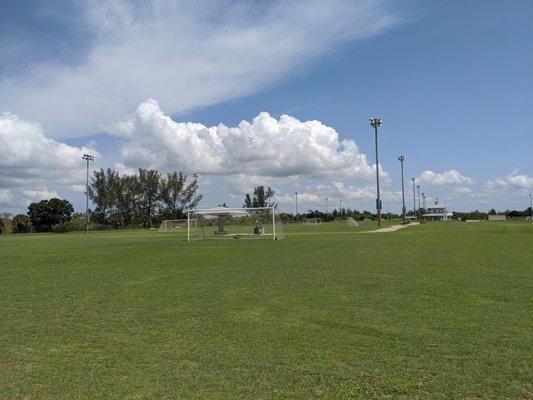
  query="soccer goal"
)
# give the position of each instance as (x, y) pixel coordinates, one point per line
(350, 221)
(170, 225)
(235, 223)
(312, 221)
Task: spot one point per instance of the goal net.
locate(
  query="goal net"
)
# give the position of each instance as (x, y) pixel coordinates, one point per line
(235, 223)
(350, 221)
(170, 225)
(312, 221)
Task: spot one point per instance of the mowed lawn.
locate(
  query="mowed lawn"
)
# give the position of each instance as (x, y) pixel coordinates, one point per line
(435, 311)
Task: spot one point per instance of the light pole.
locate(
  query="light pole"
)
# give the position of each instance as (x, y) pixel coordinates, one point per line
(424, 201)
(418, 190)
(340, 208)
(531, 207)
(326, 209)
(88, 158)
(376, 122)
(388, 211)
(414, 198)
(296, 197)
(401, 159)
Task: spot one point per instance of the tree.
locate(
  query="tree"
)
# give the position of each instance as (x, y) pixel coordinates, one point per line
(103, 193)
(46, 213)
(128, 193)
(5, 222)
(149, 182)
(177, 196)
(260, 198)
(21, 224)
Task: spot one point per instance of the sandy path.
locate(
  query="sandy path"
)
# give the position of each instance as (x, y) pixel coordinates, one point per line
(392, 228)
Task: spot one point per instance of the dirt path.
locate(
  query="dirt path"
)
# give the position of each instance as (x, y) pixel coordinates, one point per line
(392, 228)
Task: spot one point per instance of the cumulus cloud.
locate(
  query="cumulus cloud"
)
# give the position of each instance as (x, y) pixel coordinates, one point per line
(185, 54)
(29, 160)
(264, 147)
(451, 177)
(515, 181)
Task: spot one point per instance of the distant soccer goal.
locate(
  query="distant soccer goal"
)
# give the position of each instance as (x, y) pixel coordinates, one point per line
(235, 223)
(170, 225)
(350, 221)
(312, 221)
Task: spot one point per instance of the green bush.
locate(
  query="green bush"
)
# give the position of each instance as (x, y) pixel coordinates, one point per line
(75, 224)
(21, 224)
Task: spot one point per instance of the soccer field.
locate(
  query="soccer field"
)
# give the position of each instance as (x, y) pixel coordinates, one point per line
(434, 311)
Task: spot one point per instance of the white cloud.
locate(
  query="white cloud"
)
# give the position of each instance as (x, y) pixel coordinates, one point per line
(265, 147)
(303, 199)
(185, 54)
(29, 161)
(38, 195)
(512, 183)
(451, 177)
(6, 198)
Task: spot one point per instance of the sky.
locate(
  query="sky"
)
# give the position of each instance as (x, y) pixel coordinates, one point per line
(276, 93)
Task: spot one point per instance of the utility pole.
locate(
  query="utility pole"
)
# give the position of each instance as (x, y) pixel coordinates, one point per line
(88, 158)
(530, 207)
(418, 190)
(296, 196)
(376, 122)
(414, 198)
(401, 159)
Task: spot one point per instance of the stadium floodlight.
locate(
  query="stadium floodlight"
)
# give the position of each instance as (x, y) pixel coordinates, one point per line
(88, 158)
(326, 208)
(401, 159)
(296, 197)
(418, 190)
(376, 122)
(234, 223)
(530, 207)
(414, 198)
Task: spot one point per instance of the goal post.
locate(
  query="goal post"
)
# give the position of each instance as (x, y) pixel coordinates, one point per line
(235, 223)
(350, 221)
(312, 221)
(170, 225)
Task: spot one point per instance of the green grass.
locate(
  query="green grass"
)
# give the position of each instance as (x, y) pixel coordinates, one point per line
(435, 311)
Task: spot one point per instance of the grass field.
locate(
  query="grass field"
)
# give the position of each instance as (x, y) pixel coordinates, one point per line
(435, 311)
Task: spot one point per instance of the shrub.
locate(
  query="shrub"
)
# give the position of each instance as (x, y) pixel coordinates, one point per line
(21, 224)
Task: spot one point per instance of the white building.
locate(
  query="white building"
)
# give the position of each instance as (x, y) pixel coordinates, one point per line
(437, 212)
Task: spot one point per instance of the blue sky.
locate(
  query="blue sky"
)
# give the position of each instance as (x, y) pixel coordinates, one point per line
(452, 82)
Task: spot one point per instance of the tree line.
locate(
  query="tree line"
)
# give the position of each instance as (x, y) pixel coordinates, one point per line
(135, 200)
(142, 199)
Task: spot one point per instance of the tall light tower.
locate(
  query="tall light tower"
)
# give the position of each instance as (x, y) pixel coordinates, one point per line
(531, 207)
(418, 190)
(376, 122)
(401, 159)
(424, 200)
(326, 208)
(414, 198)
(340, 208)
(296, 197)
(88, 158)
